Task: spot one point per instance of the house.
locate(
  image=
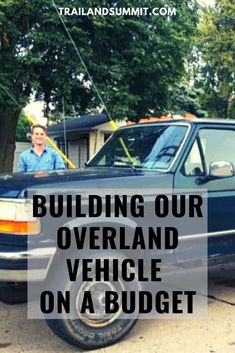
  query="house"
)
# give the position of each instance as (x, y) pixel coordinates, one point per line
(82, 137)
(19, 148)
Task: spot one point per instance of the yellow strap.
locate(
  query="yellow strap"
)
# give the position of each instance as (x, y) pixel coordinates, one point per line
(127, 153)
(114, 125)
(126, 150)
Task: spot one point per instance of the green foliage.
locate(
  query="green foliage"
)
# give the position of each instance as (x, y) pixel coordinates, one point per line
(217, 46)
(23, 127)
(134, 61)
(187, 99)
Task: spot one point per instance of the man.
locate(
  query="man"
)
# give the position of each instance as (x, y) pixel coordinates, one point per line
(40, 156)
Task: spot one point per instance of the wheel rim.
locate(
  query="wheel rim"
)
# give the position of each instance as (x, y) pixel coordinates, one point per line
(97, 289)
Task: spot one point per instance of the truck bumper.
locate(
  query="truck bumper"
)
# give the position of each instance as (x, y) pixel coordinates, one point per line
(25, 266)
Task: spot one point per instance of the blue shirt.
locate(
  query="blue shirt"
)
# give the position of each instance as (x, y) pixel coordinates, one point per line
(49, 160)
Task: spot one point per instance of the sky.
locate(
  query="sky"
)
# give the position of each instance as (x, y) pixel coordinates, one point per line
(207, 2)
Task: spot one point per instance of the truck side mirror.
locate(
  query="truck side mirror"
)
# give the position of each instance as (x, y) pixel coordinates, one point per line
(221, 169)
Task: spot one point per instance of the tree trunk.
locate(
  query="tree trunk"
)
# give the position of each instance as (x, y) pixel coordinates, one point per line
(8, 122)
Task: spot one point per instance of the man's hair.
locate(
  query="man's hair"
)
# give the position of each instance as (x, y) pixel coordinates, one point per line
(40, 126)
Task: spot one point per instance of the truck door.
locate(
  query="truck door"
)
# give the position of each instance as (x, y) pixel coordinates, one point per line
(212, 144)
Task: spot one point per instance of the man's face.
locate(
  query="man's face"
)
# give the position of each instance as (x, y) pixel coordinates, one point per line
(38, 136)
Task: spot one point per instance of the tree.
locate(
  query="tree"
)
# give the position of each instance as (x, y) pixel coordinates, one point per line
(22, 129)
(135, 61)
(186, 99)
(217, 46)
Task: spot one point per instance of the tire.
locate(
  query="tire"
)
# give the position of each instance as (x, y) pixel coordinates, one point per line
(90, 338)
(13, 293)
(92, 331)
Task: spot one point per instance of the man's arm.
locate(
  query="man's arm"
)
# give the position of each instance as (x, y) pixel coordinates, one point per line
(58, 163)
(22, 167)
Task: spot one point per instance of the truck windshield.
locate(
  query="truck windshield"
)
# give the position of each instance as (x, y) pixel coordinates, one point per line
(148, 147)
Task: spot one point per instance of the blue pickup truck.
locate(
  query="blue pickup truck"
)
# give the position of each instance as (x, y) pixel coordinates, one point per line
(193, 155)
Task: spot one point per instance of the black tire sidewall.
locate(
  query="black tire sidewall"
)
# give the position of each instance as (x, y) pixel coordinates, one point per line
(78, 333)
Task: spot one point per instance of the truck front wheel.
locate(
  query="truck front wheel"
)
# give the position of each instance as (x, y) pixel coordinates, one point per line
(97, 328)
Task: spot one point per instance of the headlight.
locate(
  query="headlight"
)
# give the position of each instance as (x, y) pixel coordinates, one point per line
(16, 217)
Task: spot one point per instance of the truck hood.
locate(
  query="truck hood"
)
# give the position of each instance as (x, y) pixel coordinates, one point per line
(14, 185)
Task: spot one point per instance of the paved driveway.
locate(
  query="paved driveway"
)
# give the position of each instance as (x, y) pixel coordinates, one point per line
(216, 334)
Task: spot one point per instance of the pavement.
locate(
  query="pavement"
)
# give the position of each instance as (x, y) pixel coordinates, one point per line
(215, 334)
